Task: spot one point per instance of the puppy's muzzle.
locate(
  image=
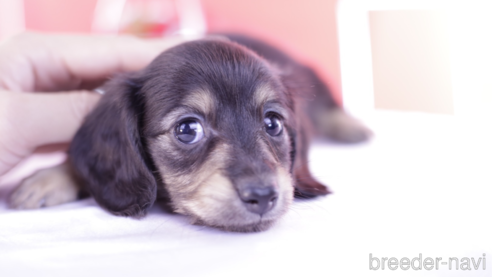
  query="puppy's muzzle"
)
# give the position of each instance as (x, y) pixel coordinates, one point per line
(259, 199)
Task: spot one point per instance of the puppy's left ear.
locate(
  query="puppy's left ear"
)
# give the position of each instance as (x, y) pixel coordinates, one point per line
(306, 186)
(108, 152)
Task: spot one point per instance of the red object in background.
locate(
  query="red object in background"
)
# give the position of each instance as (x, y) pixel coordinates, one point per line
(306, 29)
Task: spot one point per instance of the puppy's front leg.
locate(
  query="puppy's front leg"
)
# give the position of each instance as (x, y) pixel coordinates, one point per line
(45, 188)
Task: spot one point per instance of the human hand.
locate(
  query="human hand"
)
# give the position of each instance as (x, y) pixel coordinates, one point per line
(65, 68)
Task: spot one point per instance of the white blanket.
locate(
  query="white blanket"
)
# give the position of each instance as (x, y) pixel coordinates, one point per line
(420, 189)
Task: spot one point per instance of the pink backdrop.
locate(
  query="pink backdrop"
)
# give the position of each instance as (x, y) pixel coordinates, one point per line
(306, 29)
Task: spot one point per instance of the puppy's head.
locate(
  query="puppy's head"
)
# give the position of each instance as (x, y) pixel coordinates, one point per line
(209, 122)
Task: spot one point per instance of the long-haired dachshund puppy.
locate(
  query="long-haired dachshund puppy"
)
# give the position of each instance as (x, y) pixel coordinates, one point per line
(217, 128)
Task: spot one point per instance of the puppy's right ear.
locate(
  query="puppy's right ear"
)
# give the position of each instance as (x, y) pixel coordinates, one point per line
(108, 154)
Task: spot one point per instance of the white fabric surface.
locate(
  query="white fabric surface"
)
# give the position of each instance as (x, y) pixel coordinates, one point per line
(422, 185)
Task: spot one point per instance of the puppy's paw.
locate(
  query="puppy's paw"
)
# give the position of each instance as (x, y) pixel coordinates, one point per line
(45, 188)
(339, 126)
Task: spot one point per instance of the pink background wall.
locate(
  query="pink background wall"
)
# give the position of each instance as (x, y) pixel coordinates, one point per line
(59, 15)
(306, 29)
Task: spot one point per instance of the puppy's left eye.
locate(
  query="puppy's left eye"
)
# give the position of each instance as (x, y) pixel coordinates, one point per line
(189, 131)
(273, 125)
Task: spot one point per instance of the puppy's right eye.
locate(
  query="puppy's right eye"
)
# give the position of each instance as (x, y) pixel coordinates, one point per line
(189, 131)
(273, 125)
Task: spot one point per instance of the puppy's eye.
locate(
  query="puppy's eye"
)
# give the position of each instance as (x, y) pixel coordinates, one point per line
(189, 131)
(273, 125)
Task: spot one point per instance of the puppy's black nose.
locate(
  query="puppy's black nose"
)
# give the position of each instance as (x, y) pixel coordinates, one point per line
(259, 200)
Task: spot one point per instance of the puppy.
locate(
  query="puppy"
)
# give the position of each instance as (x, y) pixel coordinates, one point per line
(218, 129)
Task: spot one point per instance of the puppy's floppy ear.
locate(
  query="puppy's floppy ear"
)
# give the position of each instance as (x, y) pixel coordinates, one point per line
(306, 186)
(108, 153)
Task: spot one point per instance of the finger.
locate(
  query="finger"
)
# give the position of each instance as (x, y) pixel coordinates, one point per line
(49, 118)
(30, 120)
(12, 147)
(42, 62)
